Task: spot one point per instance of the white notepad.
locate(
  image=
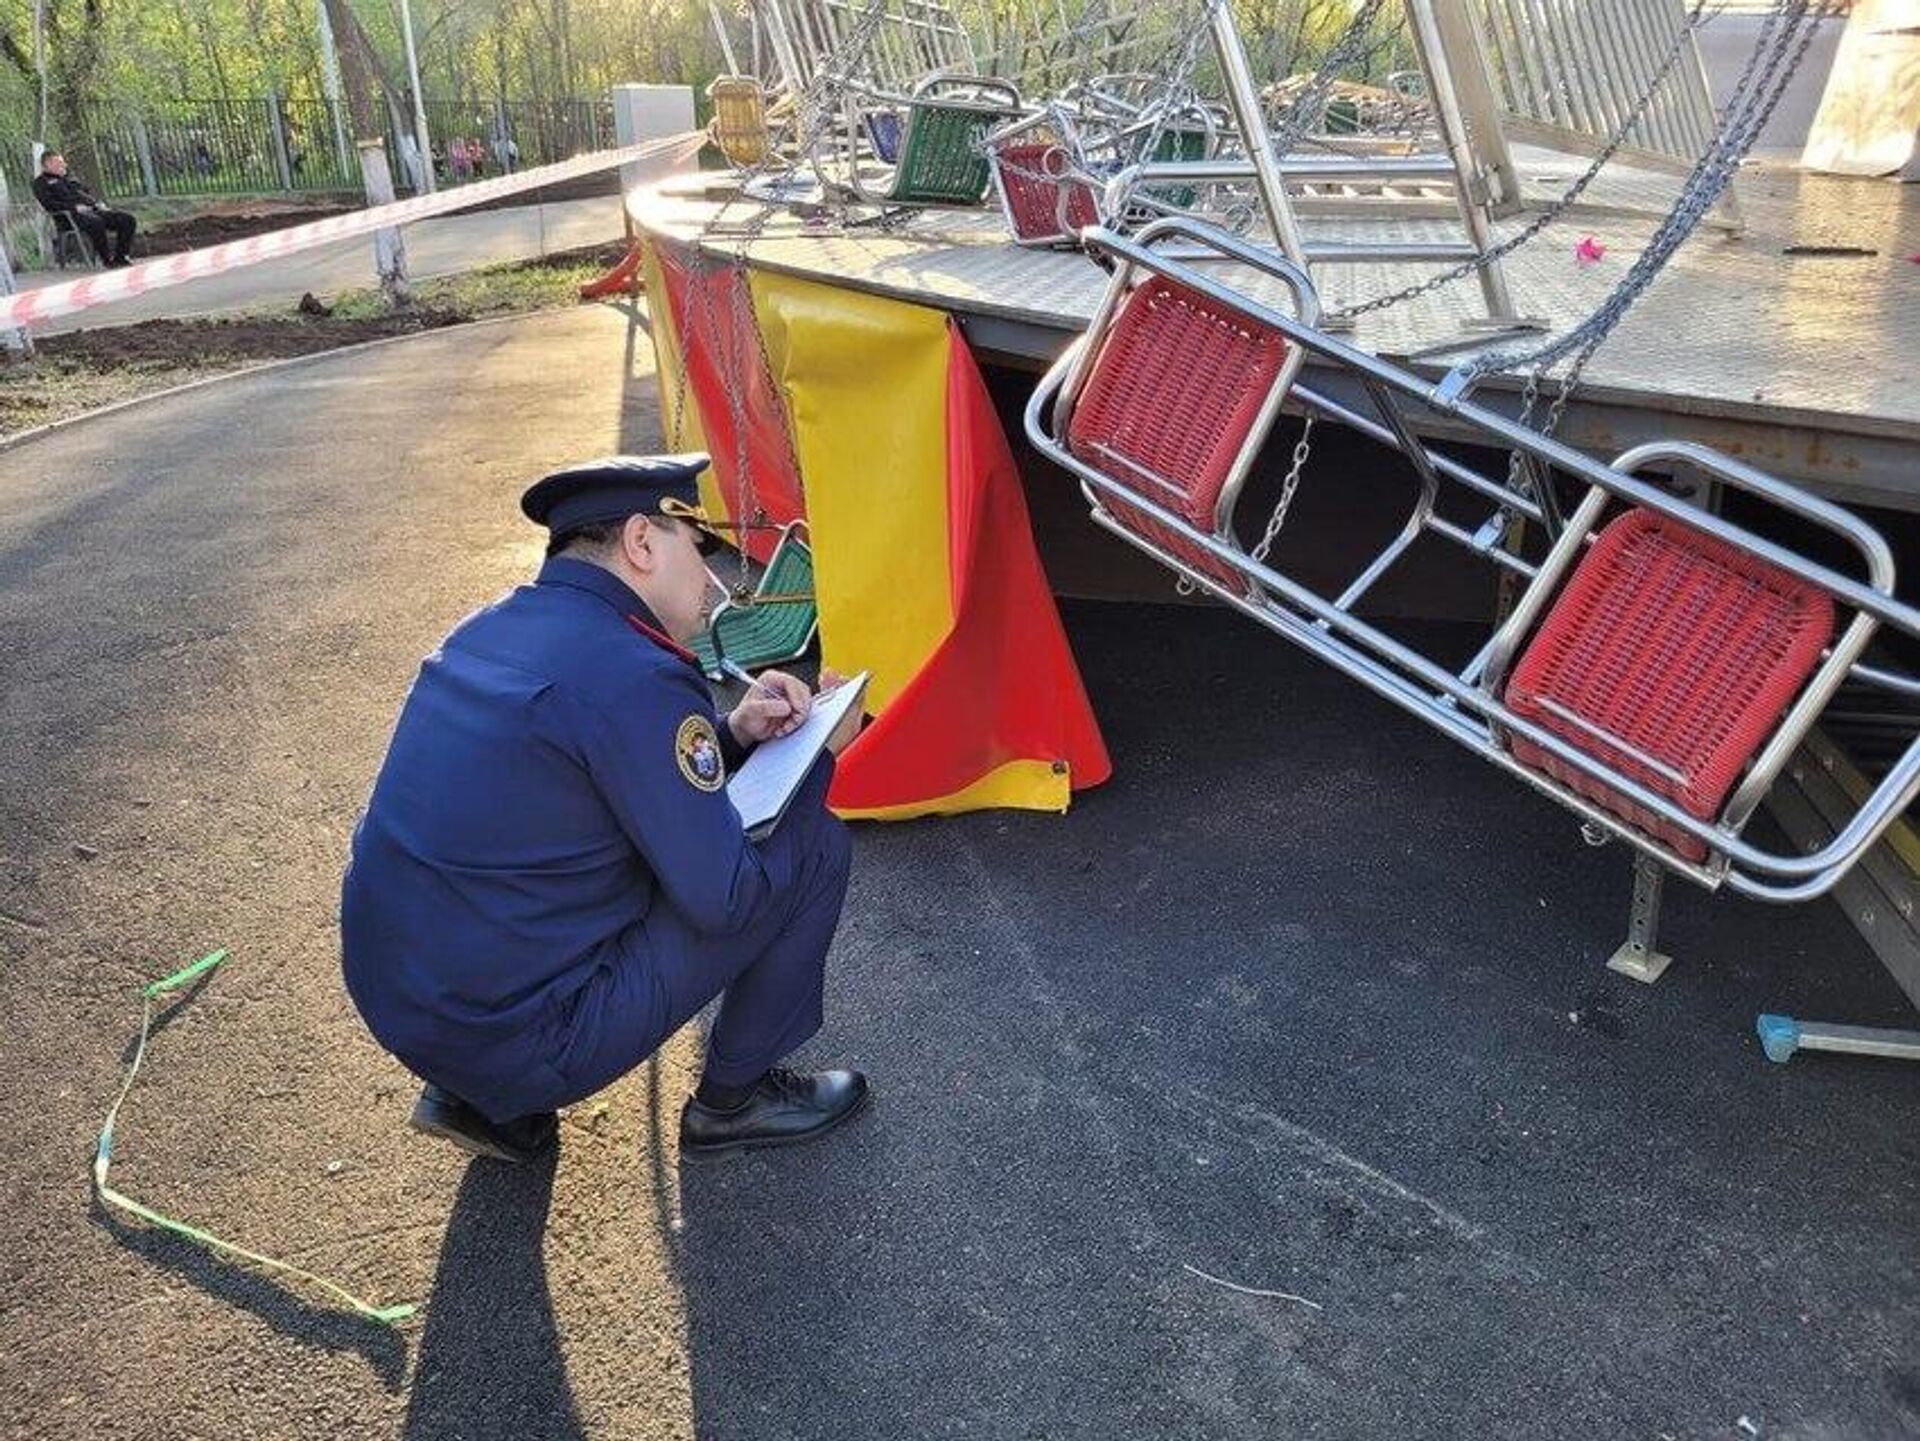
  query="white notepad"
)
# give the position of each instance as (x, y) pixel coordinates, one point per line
(764, 785)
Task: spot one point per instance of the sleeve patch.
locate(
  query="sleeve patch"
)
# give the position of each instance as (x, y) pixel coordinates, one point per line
(697, 749)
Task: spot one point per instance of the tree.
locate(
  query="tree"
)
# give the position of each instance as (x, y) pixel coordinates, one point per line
(361, 82)
(74, 36)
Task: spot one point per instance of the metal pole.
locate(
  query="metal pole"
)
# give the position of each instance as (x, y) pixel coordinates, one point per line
(726, 45)
(15, 338)
(1781, 1036)
(420, 136)
(1244, 98)
(1639, 955)
(1468, 64)
(1453, 134)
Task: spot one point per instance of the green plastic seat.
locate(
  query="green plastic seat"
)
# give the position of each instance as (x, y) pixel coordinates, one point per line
(942, 157)
(777, 624)
(1180, 143)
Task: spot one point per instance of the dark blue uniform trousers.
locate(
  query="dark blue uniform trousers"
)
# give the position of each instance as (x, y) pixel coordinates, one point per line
(770, 975)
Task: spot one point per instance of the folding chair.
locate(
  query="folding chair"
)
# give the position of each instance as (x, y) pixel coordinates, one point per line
(70, 242)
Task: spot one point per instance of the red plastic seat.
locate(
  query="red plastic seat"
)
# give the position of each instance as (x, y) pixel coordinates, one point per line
(1032, 193)
(1679, 647)
(1169, 401)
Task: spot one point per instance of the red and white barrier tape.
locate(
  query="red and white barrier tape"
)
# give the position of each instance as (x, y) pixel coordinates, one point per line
(35, 307)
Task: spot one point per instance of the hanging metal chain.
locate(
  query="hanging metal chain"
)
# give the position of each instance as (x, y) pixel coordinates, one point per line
(1312, 101)
(829, 80)
(1768, 72)
(1695, 18)
(805, 122)
(1302, 449)
(1175, 62)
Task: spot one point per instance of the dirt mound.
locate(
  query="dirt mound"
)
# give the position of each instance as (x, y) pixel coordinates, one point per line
(156, 344)
(233, 221)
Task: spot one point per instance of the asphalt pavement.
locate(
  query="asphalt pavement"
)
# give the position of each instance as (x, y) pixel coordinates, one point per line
(1276, 1091)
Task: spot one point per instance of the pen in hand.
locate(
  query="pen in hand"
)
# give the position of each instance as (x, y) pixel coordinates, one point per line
(791, 695)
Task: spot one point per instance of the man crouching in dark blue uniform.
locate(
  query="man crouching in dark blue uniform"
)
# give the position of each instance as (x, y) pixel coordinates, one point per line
(550, 880)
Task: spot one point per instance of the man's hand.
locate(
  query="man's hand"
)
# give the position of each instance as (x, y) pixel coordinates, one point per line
(849, 726)
(774, 707)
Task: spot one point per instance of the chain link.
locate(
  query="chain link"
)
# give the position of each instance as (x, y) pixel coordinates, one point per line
(1789, 26)
(1312, 101)
(1302, 449)
(1762, 83)
(1496, 253)
(808, 117)
(1178, 99)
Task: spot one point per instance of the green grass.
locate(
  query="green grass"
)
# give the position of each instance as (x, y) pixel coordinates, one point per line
(492, 290)
(81, 371)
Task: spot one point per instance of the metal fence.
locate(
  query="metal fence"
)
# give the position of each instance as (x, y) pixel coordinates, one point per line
(268, 144)
(516, 133)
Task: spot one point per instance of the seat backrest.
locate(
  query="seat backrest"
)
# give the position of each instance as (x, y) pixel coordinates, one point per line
(1168, 406)
(790, 568)
(790, 624)
(1032, 191)
(1180, 143)
(941, 159)
(883, 133)
(739, 119)
(1671, 656)
(780, 622)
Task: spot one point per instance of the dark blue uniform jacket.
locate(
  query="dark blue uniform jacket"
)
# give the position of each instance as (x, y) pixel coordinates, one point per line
(549, 784)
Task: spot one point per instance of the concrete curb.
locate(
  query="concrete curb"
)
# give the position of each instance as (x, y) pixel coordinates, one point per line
(52, 427)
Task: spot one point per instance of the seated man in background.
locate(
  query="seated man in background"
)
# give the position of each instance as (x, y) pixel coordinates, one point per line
(109, 231)
(550, 878)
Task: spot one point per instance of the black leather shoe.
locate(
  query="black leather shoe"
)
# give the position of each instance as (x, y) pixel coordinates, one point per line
(786, 1107)
(443, 1114)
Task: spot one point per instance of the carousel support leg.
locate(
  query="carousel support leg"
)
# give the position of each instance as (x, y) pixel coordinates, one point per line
(1638, 956)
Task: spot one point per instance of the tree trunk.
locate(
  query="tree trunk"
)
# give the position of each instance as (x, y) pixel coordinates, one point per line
(74, 64)
(389, 248)
(363, 114)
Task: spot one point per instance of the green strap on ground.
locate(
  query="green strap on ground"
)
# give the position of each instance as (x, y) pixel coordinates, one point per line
(103, 1159)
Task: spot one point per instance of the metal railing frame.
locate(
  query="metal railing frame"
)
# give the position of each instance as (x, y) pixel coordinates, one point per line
(1464, 704)
(1269, 172)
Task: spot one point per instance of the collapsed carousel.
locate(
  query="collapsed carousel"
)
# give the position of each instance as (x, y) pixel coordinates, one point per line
(1321, 298)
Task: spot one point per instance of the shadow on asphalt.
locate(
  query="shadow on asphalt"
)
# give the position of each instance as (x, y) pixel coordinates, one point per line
(323, 1327)
(640, 422)
(319, 1327)
(1305, 1001)
(490, 1362)
(165, 1017)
